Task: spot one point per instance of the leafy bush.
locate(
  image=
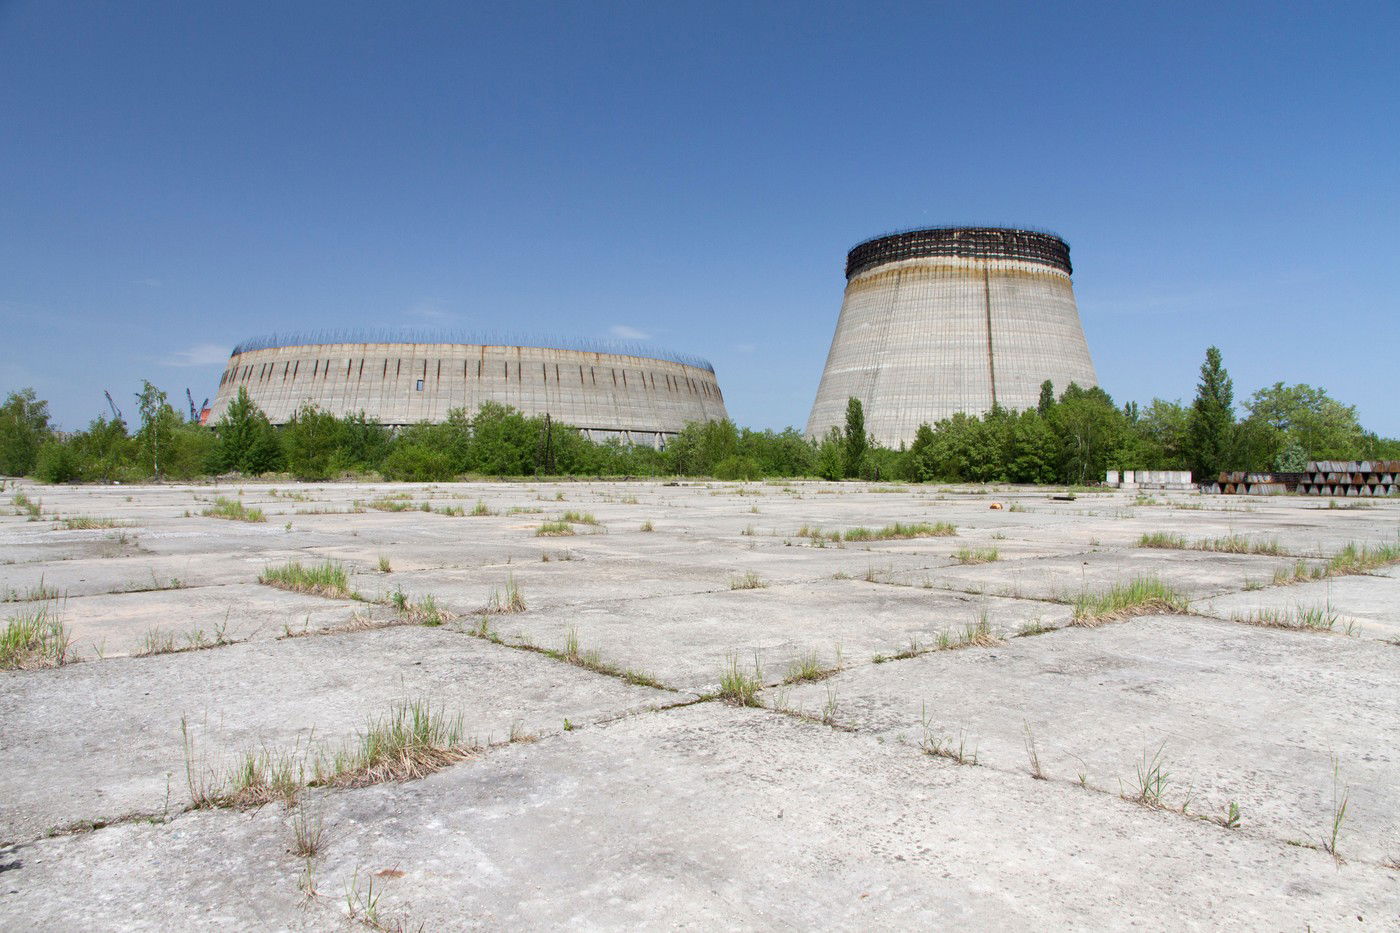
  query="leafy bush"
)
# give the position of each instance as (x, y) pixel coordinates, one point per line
(737, 468)
(418, 464)
(57, 463)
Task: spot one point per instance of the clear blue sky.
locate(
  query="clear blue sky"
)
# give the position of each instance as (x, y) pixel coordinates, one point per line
(175, 177)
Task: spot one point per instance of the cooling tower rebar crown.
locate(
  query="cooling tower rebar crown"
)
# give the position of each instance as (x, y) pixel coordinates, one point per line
(964, 242)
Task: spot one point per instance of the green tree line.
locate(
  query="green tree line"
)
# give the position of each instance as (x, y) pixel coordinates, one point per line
(1072, 438)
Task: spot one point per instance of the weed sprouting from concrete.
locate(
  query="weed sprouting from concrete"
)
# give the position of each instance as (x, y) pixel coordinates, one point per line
(747, 581)
(647, 526)
(901, 531)
(424, 611)
(578, 518)
(1238, 544)
(264, 776)
(481, 509)
(328, 579)
(1162, 539)
(29, 594)
(976, 555)
(1299, 618)
(27, 506)
(395, 503)
(308, 831)
(807, 668)
(384, 565)
(157, 641)
(554, 530)
(1032, 753)
(1360, 558)
(88, 523)
(591, 660)
(35, 638)
(1151, 781)
(737, 686)
(1142, 596)
(1299, 573)
(977, 635)
(411, 741)
(233, 510)
(1341, 797)
(938, 745)
(1230, 544)
(512, 600)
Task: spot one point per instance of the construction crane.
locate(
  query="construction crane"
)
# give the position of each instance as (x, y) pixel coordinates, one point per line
(116, 412)
(194, 412)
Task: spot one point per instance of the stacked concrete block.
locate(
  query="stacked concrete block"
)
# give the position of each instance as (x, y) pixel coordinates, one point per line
(1319, 478)
(948, 320)
(1351, 478)
(1240, 483)
(1167, 480)
(639, 399)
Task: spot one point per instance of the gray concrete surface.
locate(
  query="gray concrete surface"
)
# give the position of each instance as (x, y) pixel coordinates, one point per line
(664, 808)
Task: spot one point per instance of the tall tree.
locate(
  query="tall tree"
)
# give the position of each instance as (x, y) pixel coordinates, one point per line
(247, 441)
(24, 426)
(158, 421)
(1311, 419)
(1210, 427)
(922, 466)
(855, 439)
(309, 443)
(1047, 398)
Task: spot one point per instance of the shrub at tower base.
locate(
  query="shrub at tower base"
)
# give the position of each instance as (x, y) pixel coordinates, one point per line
(1070, 439)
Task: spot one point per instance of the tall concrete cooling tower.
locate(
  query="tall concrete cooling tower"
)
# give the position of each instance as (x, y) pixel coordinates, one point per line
(950, 319)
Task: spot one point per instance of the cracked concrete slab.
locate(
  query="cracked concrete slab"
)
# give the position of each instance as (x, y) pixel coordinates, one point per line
(704, 816)
(1367, 604)
(702, 813)
(98, 740)
(1238, 713)
(686, 641)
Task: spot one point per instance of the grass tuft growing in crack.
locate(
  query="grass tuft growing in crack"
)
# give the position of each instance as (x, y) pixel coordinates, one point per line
(554, 530)
(1341, 797)
(1142, 596)
(328, 579)
(1360, 558)
(1151, 780)
(747, 581)
(32, 594)
(900, 530)
(233, 510)
(512, 600)
(591, 660)
(737, 686)
(938, 745)
(308, 832)
(88, 523)
(984, 555)
(411, 741)
(1298, 619)
(35, 638)
(808, 668)
(1162, 539)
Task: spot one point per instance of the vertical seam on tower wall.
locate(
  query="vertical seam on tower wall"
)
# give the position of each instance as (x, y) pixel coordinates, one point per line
(991, 362)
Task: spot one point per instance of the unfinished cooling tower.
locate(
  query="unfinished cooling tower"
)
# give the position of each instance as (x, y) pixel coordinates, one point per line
(606, 390)
(947, 320)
